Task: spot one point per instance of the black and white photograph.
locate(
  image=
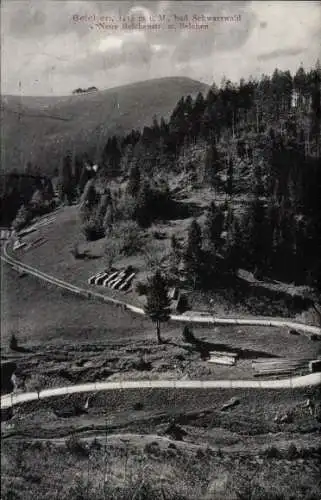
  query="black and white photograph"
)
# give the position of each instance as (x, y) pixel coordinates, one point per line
(160, 244)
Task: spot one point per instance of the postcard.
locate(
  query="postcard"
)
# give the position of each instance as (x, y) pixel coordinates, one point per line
(160, 250)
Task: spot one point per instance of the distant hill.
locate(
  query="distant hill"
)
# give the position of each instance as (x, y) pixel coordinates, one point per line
(42, 129)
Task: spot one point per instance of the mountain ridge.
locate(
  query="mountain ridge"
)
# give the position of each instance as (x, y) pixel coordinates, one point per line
(42, 133)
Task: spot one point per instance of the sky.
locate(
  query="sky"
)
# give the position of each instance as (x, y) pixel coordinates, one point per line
(53, 47)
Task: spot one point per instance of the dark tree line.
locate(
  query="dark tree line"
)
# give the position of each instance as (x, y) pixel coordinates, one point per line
(84, 91)
(30, 193)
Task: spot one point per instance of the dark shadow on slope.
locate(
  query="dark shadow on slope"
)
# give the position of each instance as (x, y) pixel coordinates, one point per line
(20, 349)
(204, 348)
(180, 210)
(253, 298)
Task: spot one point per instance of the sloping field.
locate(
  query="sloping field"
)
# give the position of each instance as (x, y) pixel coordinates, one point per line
(174, 443)
(41, 315)
(53, 255)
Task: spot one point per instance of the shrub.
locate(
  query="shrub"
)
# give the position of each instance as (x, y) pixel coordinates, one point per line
(75, 445)
(128, 236)
(152, 448)
(200, 454)
(93, 230)
(153, 257)
(36, 383)
(95, 444)
(273, 452)
(188, 334)
(141, 288)
(292, 452)
(125, 208)
(293, 332)
(159, 235)
(23, 217)
(142, 365)
(138, 406)
(76, 253)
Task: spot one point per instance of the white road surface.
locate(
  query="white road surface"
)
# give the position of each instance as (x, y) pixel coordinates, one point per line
(194, 317)
(313, 379)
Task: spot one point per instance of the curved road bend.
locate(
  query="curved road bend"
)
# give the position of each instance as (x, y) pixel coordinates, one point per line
(194, 318)
(313, 379)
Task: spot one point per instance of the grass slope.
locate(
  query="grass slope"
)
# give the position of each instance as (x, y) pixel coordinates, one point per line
(125, 441)
(45, 318)
(54, 257)
(47, 127)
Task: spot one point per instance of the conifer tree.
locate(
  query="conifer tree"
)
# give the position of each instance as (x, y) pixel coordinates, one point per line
(259, 244)
(104, 202)
(213, 227)
(134, 181)
(143, 207)
(196, 116)
(234, 245)
(211, 166)
(194, 254)
(158, 302)
(258, 181)
(109, 218)
(175, 253)
(230, 178)
(66, 179)
(111, 157)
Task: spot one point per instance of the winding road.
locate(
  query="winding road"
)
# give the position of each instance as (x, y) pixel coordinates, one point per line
(194, 317)
(312, 379)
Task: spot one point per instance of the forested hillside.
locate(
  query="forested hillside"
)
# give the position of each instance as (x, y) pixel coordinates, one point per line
(256, 145)
(19, 191)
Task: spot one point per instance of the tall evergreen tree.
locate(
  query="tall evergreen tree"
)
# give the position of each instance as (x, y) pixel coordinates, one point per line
(111, 157)
(230, 178)
(259, 244)
(175, 253)
(178, 124)
(158, 302)
(88, 201)
(143, 209)
(213, 228)
(66, 179)
(258, 186)
(134, 181)
(196, 116)
(194, 254)
(104, 202)
(211, 166)
(109, 218)
(234, 246)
